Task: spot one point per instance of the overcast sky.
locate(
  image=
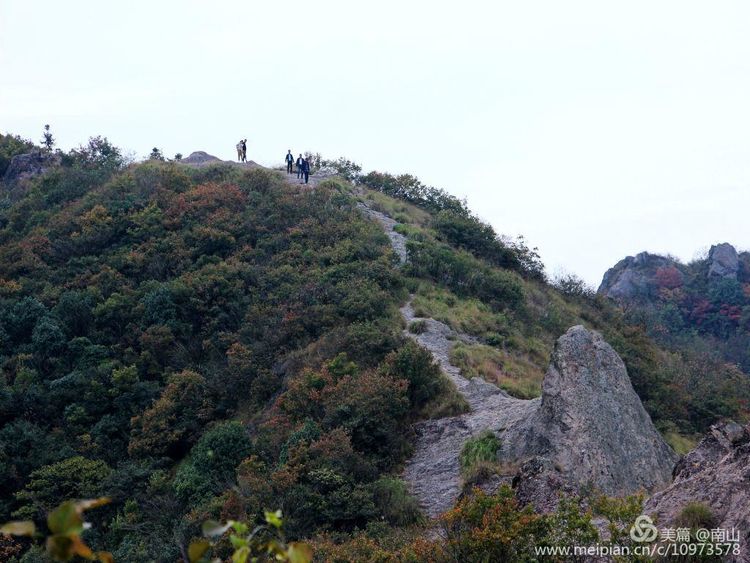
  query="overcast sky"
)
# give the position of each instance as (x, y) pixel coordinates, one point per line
(596, 129)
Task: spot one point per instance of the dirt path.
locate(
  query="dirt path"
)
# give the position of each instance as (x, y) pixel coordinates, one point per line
(433, 474)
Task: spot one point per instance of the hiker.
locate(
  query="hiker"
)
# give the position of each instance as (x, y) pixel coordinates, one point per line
(305, 169)
(289, 161)
(239, 151)
(244, 150)
(300, 160)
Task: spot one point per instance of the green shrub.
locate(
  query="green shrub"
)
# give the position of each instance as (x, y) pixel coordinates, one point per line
(482, 448)
(465, 275)
(696, 515)
(394, 502)
(418, 327)
(212, 462)
(417, 366)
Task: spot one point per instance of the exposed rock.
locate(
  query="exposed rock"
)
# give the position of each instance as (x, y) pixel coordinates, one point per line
(633, 277)
(434, 472)
(717, 474)
(539, 483)
(23, 166)
(723, 262)
(588, 429)
(591, 424)
(199, 157)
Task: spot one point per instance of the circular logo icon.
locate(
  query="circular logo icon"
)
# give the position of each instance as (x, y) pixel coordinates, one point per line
(643, 530)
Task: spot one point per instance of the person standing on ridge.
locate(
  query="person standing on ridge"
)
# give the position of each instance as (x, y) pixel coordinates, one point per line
(300, 160)
(239, 150)
(305, 169)
(244, 150)
(289, 161)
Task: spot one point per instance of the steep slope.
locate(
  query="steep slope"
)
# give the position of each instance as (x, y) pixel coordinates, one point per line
(589, 426)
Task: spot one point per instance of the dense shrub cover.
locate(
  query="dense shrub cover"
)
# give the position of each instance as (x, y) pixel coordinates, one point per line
(142, 305)
(211, 343)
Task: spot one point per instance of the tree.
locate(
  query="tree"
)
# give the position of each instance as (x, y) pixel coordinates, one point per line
(75, 477)
(47, 139)
(211, 465)
(175, 419)
(156, 154)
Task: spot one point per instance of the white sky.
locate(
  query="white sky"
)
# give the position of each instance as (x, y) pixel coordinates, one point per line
(596, 129)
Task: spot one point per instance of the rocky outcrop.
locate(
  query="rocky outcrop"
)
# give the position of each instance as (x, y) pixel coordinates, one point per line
(23, 166)
(637, 279)
(591, 425)
(540, 483)
(200, 157)
(434, 472)
(723, 262)
(632, 278)
(717, 474)
(589, 428)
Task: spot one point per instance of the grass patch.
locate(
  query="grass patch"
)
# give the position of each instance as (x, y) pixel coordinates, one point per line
(396, 505)
(470, 316)
(418, 327)
(400, 211)
(519, 376)
(696, 515)
(448, 402)
(680, 443)
(479, 450)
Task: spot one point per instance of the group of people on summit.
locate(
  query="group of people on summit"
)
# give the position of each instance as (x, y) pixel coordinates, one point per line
(302, 164)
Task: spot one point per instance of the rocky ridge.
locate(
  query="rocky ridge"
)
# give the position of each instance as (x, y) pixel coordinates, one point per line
(636, 278)
(717, 474)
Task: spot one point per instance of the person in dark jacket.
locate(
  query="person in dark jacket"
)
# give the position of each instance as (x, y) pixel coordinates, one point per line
(289, 161)
(305, 169)
(299, 166)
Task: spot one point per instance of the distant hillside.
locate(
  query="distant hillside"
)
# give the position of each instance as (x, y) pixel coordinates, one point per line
(206, 342)
(702, 306)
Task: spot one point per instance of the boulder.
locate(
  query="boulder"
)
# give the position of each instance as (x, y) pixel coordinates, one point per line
(590, 429)
(723, 262)
(717, 474)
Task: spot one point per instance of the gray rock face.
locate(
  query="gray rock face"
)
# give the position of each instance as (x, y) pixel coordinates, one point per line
(199, 157)
(434, 471)
(632, 277)
(540, 482)
(589, 428)
(723, 262)
(591, 425)
(30, 164)
(717, 474)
